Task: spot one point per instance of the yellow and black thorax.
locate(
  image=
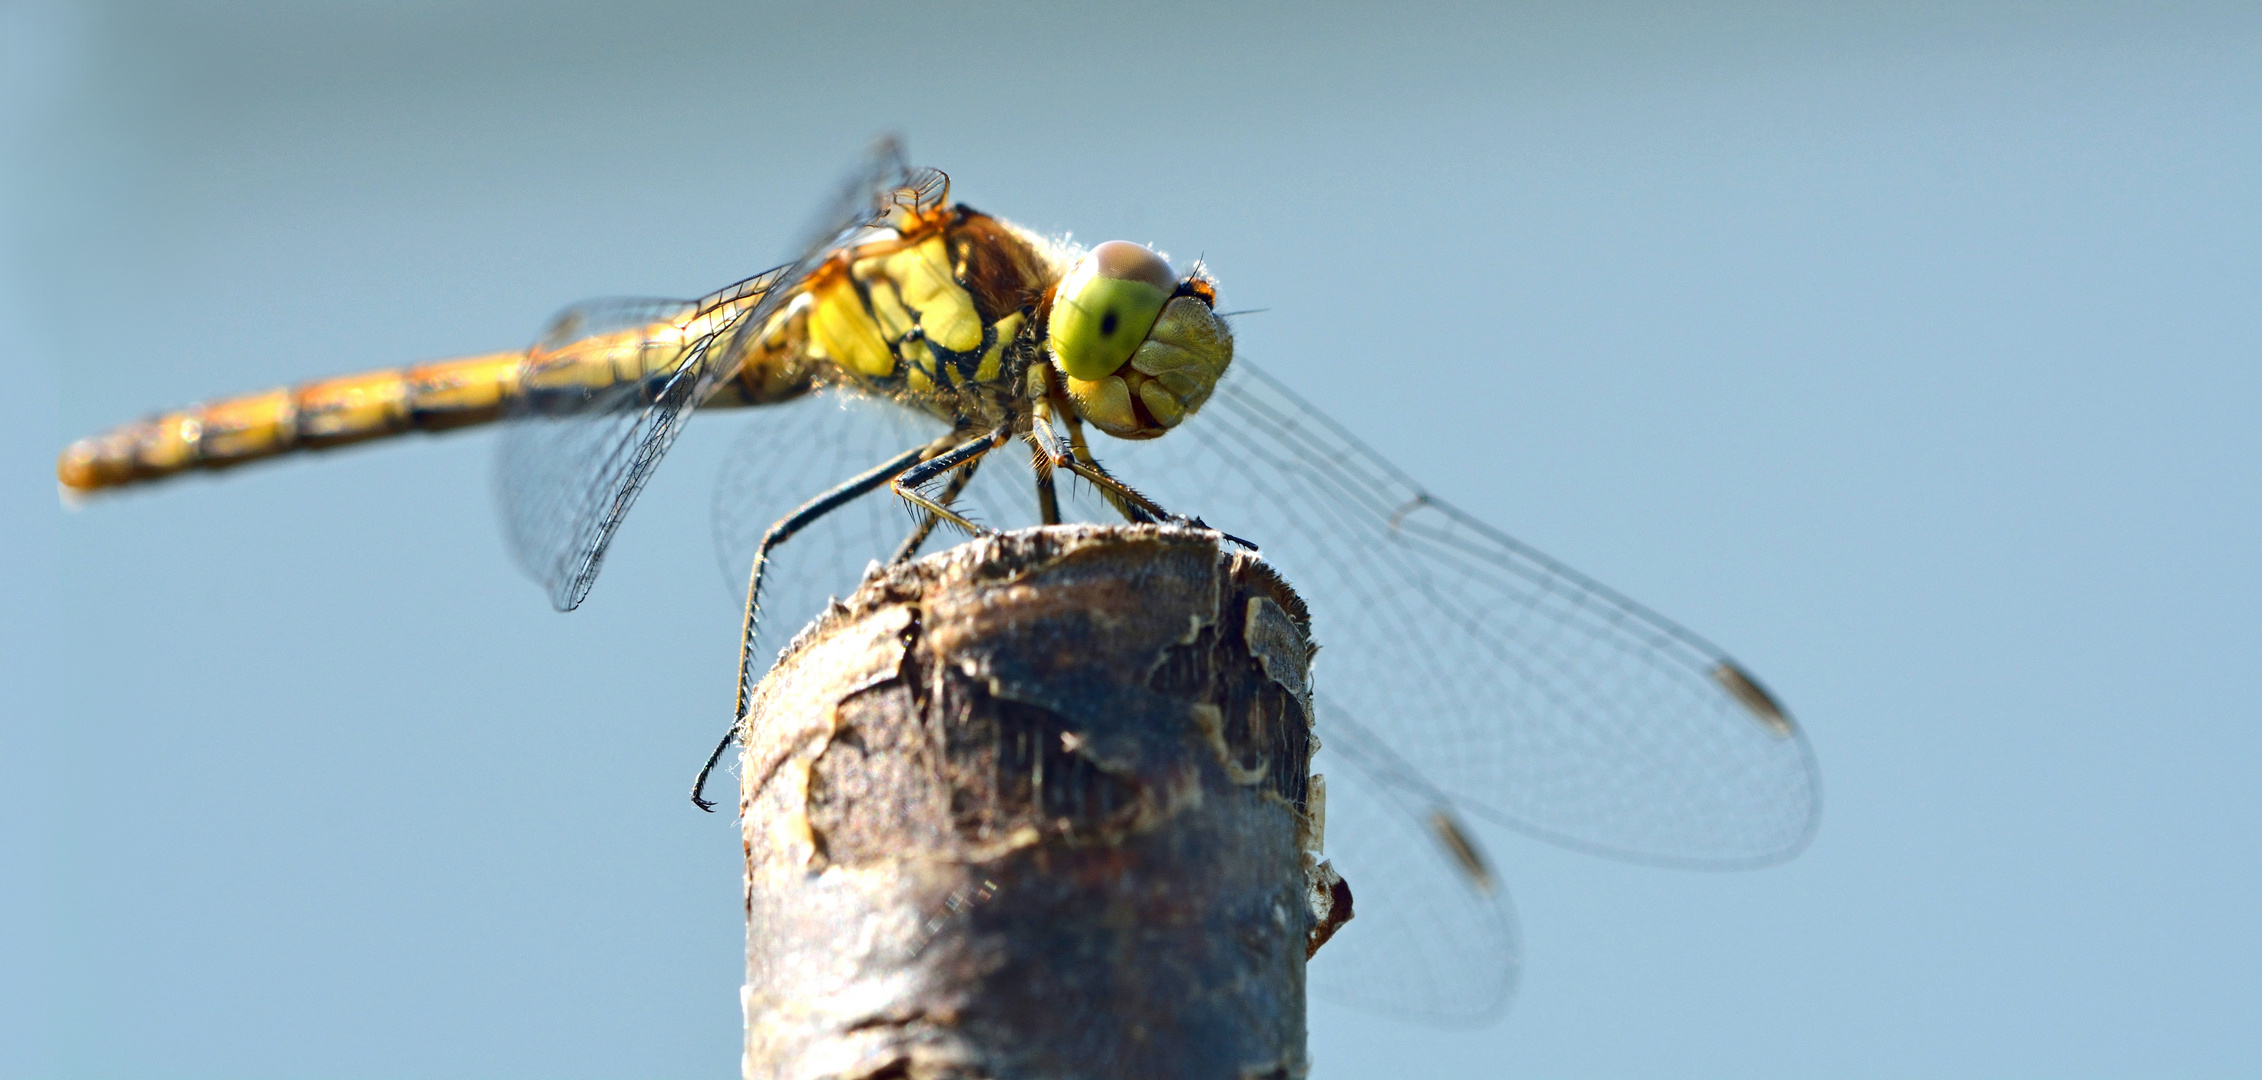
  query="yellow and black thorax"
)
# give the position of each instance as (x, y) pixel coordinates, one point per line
(945, 314)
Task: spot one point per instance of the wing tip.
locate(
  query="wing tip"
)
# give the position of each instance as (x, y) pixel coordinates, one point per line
(1755, 699)
(1466, 855)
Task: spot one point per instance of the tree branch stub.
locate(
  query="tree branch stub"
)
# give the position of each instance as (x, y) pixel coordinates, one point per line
(1038, 806)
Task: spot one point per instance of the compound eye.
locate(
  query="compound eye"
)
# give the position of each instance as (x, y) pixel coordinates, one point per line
(1105, 306)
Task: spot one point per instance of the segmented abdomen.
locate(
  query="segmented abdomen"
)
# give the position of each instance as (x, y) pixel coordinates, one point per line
(326, 412)
(356, 408)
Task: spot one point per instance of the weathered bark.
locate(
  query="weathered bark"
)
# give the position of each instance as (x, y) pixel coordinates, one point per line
(1038, 806)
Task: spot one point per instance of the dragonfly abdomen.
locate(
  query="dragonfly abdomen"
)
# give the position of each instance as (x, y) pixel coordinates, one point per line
(312, 415)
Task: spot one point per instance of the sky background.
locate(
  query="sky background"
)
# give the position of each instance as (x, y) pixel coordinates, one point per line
(1911, 351)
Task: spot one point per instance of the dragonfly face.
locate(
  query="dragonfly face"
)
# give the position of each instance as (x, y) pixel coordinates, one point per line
(1138, 351)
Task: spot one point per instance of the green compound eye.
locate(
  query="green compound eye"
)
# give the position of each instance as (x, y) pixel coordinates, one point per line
(1105, 306)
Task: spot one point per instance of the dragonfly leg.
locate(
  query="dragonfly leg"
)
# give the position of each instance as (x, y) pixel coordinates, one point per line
(928, 521)
(912, 483)
(1075, 455)
(1048, 498)
(1040, 436)
(779, 533)
(1071, 453)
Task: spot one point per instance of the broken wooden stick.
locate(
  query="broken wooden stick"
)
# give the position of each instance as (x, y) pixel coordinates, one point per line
(1039, 806)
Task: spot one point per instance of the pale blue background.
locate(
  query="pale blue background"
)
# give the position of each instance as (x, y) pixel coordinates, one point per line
(1913, 352)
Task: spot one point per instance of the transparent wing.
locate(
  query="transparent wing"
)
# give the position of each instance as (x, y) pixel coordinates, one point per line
(1427, 939)
(1460, 670)
(790, 453)
(1503, 681)
(578, 451)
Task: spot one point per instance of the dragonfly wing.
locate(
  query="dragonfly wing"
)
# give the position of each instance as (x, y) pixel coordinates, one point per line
(873, 190)
(1428, 939)
(581, 445)
(1504, 681)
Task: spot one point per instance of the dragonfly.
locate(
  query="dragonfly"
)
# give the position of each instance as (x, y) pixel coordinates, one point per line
(890, 364)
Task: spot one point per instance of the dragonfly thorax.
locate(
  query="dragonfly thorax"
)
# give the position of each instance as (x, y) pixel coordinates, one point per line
(954, 311)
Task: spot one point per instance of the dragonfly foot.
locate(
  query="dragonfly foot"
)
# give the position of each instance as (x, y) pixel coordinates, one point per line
(1184, 522)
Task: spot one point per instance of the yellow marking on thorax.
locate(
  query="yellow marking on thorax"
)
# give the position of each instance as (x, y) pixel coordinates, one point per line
(919, 365)
(887, 305)
(846, 334)
(897, 301)
(921, 273)
(993, 359)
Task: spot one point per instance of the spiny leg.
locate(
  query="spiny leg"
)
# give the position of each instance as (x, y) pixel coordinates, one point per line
(1040, 460)
(928, 521)
(1074, 455)
(912, 483)
(779, 533)
(1048, 499)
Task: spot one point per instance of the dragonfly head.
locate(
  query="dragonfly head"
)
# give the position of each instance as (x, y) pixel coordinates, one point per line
(1138, 348)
